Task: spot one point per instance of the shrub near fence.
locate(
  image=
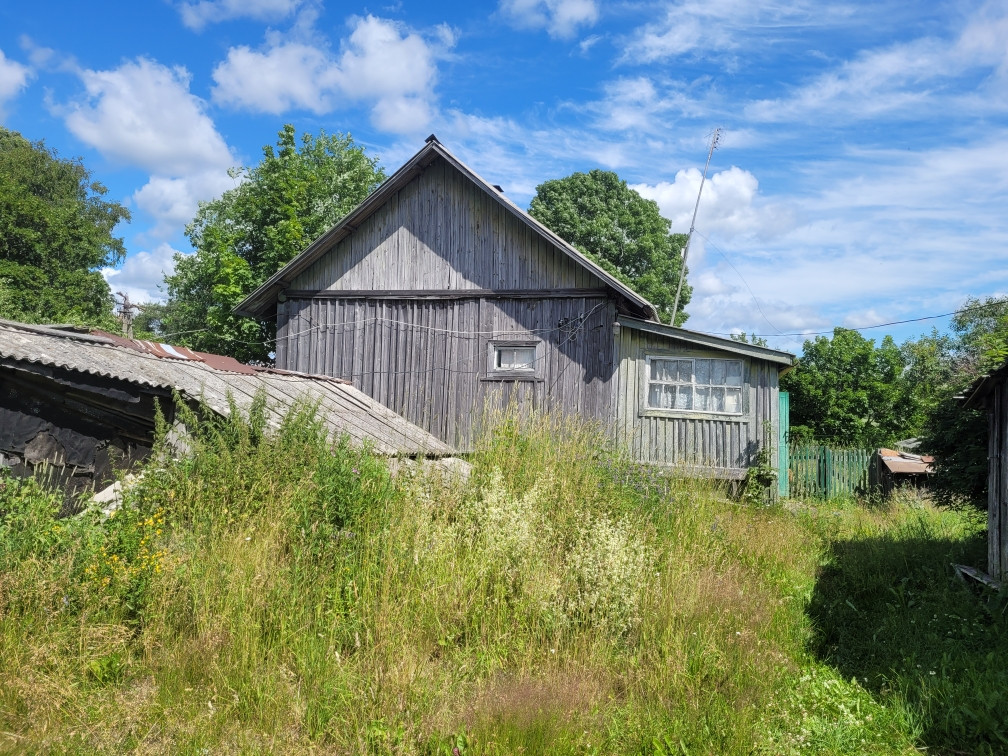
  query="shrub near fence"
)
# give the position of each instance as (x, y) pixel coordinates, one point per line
(824, 473)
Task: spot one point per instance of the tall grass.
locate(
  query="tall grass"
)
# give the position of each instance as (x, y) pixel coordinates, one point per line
(281, 592)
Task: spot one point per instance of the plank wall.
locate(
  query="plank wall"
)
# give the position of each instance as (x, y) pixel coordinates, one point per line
(724, 444)
(429, 359)
(441, 232)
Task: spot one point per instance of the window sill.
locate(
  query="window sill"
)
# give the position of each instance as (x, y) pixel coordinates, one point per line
(513, 375)
(692, 415)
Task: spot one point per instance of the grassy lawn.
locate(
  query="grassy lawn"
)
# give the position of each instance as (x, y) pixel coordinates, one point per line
(273, 594)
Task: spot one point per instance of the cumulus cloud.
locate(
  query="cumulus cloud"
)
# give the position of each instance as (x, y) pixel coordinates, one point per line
(382, 63)
(730, 205)
(142, 273)
(143, 114)
(560, 18)
(197, 15)
(173, 201)
(13, 78)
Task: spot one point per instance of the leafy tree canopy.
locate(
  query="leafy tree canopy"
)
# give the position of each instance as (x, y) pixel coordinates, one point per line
(619, 230)
(55, 233)
(956, 436)
(296, 193)
(847, 392)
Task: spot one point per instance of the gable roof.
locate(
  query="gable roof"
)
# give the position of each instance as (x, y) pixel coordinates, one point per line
(784, 359)
(212, 379)
(263, 299)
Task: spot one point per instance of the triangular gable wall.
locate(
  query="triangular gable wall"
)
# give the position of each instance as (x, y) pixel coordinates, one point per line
(441, 232)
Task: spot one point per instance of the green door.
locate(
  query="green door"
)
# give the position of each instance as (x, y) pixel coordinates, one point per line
(783, 451)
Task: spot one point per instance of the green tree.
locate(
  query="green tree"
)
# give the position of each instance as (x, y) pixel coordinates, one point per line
(620, 231)
(847, 392)
(755, 340)
(956, 436)
(295, 194)
(55, 234)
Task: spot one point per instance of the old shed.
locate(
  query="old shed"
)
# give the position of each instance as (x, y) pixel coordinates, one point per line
(443, 300)
(991, 394)
(77, 401)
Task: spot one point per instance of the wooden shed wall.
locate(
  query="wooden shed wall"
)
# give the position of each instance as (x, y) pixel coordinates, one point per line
(997, 482)
(441, 232)
(725, 444)
(428, 359)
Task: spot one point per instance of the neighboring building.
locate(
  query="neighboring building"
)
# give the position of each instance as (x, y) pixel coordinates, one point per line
(442, 300)
(991, 394)
(891, 469)
(84, 403)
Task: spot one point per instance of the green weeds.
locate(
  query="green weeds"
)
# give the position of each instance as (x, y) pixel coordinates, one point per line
(276, 590)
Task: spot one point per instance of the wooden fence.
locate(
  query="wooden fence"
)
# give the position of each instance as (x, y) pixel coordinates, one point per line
(822, 473)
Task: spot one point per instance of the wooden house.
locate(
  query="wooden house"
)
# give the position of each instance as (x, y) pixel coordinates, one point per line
(991, 394)
(440, 298)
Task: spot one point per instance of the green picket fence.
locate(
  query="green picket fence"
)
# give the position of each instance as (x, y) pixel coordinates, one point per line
(820, 472)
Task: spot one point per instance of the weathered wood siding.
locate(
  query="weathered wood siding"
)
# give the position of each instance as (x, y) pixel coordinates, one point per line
(997, 482)
(725, 444)
(429, 359)
(441, 232)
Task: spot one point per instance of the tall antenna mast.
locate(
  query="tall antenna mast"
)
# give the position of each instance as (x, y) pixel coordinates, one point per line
(689, 237)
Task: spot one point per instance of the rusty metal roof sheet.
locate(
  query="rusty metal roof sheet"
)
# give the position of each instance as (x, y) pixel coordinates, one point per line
(906, 463)
(213, 378)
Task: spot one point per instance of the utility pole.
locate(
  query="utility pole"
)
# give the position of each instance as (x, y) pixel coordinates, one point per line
(125, 314)
(689, 237)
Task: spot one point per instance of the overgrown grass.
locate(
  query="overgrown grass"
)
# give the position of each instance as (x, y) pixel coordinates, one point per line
(276, 592)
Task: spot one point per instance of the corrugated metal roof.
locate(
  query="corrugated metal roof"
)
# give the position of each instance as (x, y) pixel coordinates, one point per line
(198, 375)
(259, 302)
(903, 462)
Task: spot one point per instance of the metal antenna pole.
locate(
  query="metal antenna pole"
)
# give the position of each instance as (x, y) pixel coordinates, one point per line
(689, 237)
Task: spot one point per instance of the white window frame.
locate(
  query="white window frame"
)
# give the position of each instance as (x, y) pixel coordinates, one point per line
(532, 372)
(648, 382)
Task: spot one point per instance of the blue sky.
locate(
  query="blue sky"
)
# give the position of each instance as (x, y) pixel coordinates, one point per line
(861, 178)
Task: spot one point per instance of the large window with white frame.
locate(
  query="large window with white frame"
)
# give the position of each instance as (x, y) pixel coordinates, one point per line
(694, 384)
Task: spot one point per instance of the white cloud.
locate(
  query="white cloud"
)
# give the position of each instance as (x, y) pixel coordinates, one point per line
(561, 18)
(382, 63)
(714, 27)
(199, 14)
(143, 114)
(142, 273)
(13, 78)
(907, 78)
(173, 202)
(730, 205)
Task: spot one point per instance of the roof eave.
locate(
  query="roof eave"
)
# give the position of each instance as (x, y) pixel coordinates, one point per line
(784, 359)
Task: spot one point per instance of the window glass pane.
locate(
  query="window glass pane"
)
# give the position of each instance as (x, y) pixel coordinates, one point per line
(685, 371)
(702, 372)
(718, 372)
(661, 397)
(734, 373)
(702, 398)
(515, 358)
(733, 400)
(717, 402)
(660, 370)
(684, 398)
